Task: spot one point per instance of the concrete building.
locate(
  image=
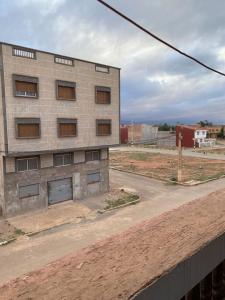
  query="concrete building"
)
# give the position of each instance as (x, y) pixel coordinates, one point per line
(59, 115)
(142, 133)
(193, 136)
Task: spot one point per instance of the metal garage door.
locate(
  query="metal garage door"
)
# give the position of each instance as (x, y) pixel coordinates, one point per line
(60, 190)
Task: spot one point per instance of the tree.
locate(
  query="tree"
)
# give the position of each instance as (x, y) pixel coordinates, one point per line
(164, 127)
(221, 133)
(205, 123)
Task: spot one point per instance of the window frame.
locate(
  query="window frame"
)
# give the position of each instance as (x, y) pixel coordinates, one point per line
(62, 154)
(102, 89)
(28, 79)
(92, 173)
(28, 50)
(103, 121)
(28, 196)
(65, 84)
(22, 121)
(66, 58)
(66, 121)
(27, 158)
(102, 66)
(92, 156)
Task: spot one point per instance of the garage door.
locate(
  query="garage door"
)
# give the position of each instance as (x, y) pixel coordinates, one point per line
(60, 190)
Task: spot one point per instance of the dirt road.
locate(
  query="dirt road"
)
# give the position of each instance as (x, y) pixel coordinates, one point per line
(119, 266)
(29, 254)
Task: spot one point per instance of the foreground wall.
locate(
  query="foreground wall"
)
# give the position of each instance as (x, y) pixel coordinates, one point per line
(179, 281)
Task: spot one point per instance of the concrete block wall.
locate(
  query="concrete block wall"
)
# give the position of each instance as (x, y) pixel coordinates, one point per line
(48, 109)
(81, 189)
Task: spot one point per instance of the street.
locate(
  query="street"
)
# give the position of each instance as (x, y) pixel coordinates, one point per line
(30, 253)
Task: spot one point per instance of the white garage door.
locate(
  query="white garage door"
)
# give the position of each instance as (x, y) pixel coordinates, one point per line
(60, 190)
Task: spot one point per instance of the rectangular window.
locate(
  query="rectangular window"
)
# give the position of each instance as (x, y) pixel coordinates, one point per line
(24, 52)
(65, 90)
(64, 60)
(29, 190)
(102, 68)
(93, 177)
(63, 159)
(25, 86)
(92, 155)
(102, 95)
(26, 164)
(103, 127)
(67, 127)
(27, 128)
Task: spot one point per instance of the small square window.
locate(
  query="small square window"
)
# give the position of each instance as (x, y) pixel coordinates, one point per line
(67, 127)
(93, 177)
(92, 155)
(26, 164)
(103, 127)
(27, 128)
(25, 86)
(65, 90)
(102, 95)
(63, 159)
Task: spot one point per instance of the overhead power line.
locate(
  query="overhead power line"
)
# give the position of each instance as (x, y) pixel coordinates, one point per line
(159, 39)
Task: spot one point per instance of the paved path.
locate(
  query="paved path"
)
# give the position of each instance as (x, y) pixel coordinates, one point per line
(28, 254)
(186, 152)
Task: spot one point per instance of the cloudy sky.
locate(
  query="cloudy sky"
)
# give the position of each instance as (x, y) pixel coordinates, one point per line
(157, 84)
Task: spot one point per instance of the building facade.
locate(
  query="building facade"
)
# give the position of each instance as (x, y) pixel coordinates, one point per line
(193, 136)
(59, 116)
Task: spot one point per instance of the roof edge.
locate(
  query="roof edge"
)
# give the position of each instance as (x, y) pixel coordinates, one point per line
(52, 53)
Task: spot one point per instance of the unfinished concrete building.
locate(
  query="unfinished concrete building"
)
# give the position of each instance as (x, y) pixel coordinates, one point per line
(59, 115)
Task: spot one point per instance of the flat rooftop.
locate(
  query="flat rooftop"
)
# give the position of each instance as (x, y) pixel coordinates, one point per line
(120, 266)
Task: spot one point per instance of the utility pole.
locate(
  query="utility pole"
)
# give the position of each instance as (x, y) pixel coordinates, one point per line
(179, 170)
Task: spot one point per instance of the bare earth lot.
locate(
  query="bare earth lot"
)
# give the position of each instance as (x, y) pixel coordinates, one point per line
(164, 167)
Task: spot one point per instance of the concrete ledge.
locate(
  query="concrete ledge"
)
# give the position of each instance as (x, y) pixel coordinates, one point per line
(119, 206)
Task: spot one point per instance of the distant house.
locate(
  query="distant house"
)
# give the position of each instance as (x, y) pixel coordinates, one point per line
(193, 136)
(123, 134)
(140, 133)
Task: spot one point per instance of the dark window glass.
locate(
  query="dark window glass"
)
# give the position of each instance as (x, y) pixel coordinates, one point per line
(63, 159)
(92, 155)
(25, 164)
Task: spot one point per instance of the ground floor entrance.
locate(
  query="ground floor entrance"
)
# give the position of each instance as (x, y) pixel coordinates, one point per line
(60, 190)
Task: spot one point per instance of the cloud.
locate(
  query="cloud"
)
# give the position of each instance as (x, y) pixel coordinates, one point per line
(157, 84)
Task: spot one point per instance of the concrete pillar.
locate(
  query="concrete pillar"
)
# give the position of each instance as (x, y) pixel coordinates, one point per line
(206, 288)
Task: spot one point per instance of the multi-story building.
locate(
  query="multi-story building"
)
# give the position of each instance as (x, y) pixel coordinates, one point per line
(59, 116)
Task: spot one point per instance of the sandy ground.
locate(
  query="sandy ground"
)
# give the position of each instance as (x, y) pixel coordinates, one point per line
(55, 215)
(117, 267)
(164, 167)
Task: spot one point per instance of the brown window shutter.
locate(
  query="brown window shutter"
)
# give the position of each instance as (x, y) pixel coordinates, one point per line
(66, 129)
(22, 86)
(104, 129)
(103, 97)
(66, 92)
(28, 130)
